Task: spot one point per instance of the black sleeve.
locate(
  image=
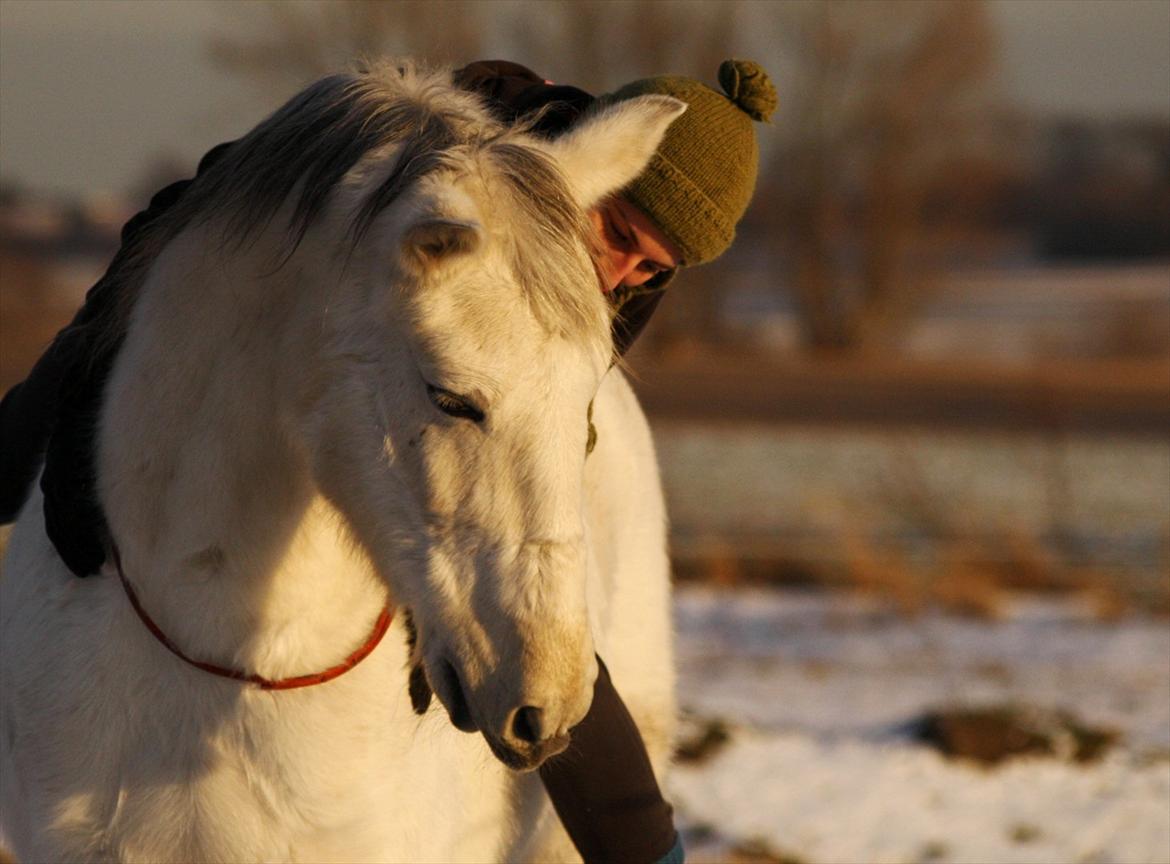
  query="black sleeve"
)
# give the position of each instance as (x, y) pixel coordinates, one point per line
(603, 786)
(632, 308)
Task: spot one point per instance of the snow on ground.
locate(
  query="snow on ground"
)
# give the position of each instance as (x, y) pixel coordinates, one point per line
(817, 690)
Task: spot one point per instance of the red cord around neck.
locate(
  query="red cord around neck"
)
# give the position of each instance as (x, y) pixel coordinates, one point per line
(380, 628)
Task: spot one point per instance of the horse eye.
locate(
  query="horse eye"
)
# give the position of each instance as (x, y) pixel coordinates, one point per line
(456, 406)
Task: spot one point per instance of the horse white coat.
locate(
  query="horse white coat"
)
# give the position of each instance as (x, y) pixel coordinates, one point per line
(275, 463)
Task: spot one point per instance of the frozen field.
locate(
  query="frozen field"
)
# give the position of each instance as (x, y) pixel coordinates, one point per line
(801, 489)
(817, 690)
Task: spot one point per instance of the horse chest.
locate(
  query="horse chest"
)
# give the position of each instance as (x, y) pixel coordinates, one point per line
(378, 783)
(145, 759)
(297, 779)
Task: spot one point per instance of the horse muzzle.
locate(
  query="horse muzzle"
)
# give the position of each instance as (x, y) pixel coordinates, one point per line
(525, 737)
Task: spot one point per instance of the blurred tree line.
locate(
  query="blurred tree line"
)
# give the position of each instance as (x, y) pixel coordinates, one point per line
(892, 156)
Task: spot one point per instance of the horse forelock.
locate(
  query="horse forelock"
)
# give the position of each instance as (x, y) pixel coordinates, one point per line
(549, 237)
(318, 136)
(552, 238)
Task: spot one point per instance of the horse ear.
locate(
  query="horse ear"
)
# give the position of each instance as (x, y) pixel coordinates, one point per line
(432, 240)
(610, 147)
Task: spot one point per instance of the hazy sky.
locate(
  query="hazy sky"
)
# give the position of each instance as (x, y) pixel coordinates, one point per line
(92, 92)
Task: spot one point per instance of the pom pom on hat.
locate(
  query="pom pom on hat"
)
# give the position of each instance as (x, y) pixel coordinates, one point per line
(746, 84)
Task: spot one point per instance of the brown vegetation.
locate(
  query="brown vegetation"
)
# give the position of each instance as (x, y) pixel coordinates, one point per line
(703, 742)
(729, 386)
(970, 579)
(31, 313)
(970, 570)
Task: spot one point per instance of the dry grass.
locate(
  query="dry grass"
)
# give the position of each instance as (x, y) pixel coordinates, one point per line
(966, 575)
(30, 314)
(970, 591)
(1107, 602)
(881, 573)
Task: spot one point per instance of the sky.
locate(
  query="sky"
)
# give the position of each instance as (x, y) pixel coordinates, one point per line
(92, 94)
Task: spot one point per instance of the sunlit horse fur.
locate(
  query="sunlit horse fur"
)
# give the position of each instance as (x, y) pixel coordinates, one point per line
(275, 462)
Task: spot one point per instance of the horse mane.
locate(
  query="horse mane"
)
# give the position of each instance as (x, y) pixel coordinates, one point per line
(309, 144)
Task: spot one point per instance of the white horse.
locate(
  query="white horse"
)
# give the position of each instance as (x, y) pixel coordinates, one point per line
(357, 361)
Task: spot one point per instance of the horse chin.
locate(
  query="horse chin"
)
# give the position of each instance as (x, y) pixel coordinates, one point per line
(530, 757)
(525, 757)
(446, 683)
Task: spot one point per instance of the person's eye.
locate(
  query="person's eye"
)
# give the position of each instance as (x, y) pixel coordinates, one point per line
(453, 404)
(615, 235)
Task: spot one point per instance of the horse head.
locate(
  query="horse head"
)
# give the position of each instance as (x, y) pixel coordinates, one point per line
(453, 335)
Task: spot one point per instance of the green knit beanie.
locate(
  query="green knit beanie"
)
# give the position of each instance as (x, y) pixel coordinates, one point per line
(699, 183)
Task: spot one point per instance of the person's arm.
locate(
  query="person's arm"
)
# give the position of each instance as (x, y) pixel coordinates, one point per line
(604, 790)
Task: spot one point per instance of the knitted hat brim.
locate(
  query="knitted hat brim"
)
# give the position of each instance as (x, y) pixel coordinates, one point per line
(682, 211)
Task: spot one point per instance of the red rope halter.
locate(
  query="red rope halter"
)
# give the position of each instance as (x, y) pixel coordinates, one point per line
(380, 628)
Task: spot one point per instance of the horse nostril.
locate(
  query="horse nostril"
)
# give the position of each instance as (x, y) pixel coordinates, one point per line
(528, 724)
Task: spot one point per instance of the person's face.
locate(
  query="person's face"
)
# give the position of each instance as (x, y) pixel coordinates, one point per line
(634, 249)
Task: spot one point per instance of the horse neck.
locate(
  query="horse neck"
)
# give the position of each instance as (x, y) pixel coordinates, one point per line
(207, 492)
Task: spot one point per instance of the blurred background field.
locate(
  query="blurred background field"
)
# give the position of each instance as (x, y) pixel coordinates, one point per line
(926, 396)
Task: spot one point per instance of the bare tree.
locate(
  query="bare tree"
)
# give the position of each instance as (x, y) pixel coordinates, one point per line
(880, 102)
(593, 44)
(287, 43)
(600, 44)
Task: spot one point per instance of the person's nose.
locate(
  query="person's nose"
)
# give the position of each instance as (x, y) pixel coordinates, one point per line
(623, 270)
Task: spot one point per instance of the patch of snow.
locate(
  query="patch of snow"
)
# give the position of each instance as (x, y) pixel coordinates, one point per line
(817, 688)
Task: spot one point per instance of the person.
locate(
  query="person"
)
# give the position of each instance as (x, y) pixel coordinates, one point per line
(682, 211)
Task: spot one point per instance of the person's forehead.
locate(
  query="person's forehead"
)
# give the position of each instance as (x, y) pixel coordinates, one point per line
(653, 241)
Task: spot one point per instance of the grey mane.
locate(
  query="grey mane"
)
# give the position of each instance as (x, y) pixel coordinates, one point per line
(309, 144)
